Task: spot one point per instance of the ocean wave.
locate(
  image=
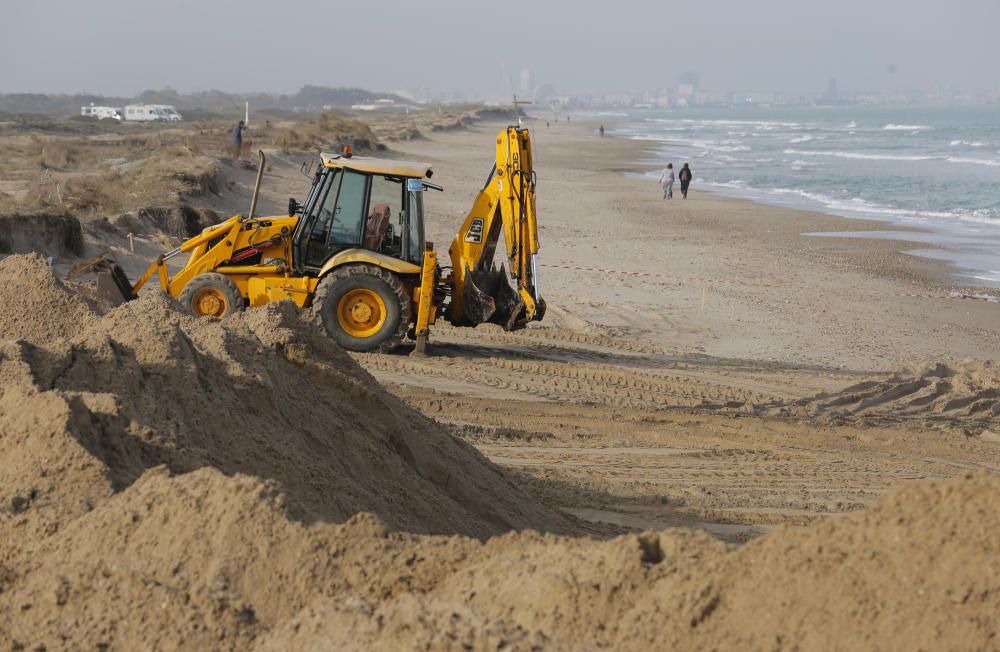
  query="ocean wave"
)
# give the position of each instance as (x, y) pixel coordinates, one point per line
(862, 156)
(866, 207)
(752, 123)
(737, 184)
(968, 143)
(894, 127)
(860, 206)
(989, 162)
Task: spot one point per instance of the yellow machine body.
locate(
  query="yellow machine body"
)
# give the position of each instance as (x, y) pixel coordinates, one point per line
(257, 255)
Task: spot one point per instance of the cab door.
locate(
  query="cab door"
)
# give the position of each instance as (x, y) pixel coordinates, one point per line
(337, 218)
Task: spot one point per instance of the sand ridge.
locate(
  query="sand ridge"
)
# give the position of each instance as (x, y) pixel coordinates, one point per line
(173, 483)
(164, 488)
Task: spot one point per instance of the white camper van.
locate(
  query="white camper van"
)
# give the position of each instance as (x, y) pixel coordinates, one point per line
(101, 112)
(152, 113)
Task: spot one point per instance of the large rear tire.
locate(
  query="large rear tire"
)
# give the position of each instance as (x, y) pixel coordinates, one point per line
(211, 295)
(363, 308)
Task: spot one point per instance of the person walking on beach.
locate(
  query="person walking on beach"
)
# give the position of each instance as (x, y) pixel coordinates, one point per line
(237, 146)
(685, 178)
(667, 181)
(601, 131)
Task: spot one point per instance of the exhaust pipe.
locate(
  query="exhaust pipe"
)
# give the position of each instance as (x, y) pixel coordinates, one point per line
(256, 186)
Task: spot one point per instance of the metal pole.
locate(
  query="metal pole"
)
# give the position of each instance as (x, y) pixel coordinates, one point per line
(256, 186)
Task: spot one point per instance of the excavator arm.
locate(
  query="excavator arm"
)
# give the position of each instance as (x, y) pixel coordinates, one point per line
(481, 293)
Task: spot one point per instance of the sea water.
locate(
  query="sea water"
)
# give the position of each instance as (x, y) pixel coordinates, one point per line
(933, 168)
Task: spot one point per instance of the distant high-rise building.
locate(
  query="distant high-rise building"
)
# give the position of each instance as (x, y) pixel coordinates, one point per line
(527, 83)
(689, 78)
(831, 89)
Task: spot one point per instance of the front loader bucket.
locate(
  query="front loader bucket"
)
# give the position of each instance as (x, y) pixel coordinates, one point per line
(113, 285)
(488, 297)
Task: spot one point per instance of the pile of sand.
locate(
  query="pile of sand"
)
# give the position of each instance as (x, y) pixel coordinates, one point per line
(961, 393)
(263, 394)
(168, 482)
(35, 305)
(208, 561)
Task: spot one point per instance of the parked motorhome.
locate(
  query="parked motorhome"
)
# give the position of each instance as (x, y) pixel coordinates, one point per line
(101, 112)
(152, 113)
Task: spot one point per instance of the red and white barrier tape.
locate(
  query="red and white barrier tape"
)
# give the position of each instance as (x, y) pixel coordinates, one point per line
(603, 270)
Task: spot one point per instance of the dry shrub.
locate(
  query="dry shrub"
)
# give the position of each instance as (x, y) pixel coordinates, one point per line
(330, 132)
(156, 180)
(7, 203)
(81, 194)
(56, 156)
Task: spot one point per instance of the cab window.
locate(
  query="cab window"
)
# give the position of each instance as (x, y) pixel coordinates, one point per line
(349, 213)
(326, 200)
(415, 246)
(386, 226)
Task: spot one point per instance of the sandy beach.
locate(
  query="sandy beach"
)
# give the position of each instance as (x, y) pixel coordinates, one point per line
(713, 403)
(771, 294)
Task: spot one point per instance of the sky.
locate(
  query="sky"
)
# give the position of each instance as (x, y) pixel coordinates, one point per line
(122, 47)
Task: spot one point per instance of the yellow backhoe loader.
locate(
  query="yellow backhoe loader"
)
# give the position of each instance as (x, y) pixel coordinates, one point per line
(354, 251)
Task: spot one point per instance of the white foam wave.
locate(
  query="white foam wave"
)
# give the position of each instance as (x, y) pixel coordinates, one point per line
(895, 127)
(993, 163)
(862, 156)
(752, 123)
(738, 184)
(858, 206)
(968, 143)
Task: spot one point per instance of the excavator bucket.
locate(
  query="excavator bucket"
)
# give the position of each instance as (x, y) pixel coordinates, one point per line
(488, 297)
(112, 283)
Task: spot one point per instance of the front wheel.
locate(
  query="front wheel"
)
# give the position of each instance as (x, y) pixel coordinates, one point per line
(363, 308)
(211, 295)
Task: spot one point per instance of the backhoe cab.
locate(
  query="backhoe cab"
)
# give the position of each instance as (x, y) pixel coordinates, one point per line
(354, 252)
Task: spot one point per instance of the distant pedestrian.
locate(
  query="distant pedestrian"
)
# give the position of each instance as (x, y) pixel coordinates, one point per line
(601, 131)
(546, 124)
(667, 181)
(685, 178)
(237, 144)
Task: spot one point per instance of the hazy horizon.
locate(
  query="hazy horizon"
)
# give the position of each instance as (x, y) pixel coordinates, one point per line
(115, 47)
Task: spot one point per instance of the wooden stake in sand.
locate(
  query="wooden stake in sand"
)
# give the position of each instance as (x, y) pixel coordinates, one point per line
(704, 289)
(131, 242)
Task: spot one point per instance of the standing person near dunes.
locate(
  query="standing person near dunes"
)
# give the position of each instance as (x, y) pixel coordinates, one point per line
(667, 181)
(685, 178)
(237, 145)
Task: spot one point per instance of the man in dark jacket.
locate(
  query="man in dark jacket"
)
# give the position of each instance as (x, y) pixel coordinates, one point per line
(685, 178)
(237, 146)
